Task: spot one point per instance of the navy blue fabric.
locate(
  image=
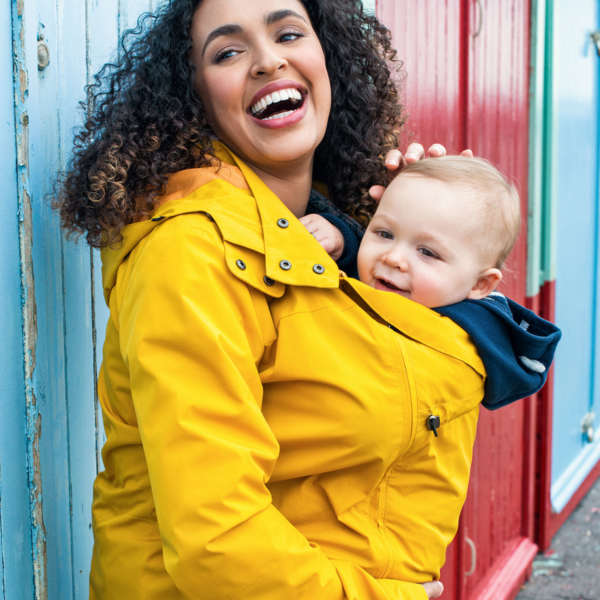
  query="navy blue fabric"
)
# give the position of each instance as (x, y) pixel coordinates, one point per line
(351, 231)
(504, 332)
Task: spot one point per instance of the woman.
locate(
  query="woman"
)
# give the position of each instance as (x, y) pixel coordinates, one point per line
(199, 154)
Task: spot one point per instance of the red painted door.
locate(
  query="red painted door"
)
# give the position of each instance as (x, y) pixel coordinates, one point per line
(465, 77)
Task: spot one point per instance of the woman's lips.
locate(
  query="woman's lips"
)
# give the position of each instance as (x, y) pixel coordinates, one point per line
(276, 86)
(283, 119)
(279, 104)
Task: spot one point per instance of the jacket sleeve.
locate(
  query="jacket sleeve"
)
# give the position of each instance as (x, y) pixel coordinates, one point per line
(192, 335)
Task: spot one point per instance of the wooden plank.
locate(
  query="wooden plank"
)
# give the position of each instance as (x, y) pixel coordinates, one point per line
(16, 568)
(130, 11)
(427, 39)
(497, 128)
(80, 377)
(102, 37)
(33, 414)
(48, 378)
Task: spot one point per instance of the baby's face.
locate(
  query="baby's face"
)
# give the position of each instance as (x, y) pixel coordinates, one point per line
(422, 242)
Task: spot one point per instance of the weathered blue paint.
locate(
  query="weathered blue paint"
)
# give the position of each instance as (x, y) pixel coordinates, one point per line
(16, 576)
(50, 432)
(28, 302)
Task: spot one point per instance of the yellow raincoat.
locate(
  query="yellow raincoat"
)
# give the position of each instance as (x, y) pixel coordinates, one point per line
(265, 423)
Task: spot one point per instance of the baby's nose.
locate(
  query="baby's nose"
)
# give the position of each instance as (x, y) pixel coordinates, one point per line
(397, 259)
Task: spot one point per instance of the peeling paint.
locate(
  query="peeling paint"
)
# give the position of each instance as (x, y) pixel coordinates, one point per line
(39, 529)
(33, 431)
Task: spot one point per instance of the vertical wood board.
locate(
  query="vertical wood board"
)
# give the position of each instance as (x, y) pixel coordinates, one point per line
(16, 569)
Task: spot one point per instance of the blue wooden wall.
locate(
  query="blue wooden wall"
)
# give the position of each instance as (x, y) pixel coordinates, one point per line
(50, 295)
(51, 298)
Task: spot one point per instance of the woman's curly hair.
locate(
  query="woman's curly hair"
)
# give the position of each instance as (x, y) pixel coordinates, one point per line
(145, 121)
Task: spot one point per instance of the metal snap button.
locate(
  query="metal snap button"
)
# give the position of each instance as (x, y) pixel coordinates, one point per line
(318, 269)
(283, 223)
(268, 281)
(240, 264)
(286, 265)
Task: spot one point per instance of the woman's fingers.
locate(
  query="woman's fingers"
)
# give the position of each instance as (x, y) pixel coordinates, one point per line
(414, 152)
(436, 150)
(376, 191)
(393, 159)
(434, 589)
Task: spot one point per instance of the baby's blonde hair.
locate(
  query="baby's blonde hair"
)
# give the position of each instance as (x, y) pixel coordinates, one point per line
(499, 197)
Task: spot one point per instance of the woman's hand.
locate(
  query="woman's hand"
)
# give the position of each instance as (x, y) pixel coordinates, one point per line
(394, 159)
(329, 236)
(434, 589)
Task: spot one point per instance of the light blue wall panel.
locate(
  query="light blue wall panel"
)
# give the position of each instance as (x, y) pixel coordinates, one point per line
(16, 571)
(50, 428)
(77, 302)
(576, 126)
(48, 379)
(102, 40)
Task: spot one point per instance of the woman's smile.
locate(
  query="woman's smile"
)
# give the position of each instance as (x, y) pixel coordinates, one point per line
(279, 104)
(261, 74)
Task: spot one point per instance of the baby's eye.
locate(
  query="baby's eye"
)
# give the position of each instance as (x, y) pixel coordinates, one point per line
(427, 252)
(383, 233)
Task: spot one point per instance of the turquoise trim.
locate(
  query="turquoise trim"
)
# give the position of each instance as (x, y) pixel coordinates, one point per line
(543, 123)
(536, 147)
(550, 168)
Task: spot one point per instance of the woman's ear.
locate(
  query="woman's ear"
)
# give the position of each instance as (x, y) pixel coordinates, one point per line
(486, 283)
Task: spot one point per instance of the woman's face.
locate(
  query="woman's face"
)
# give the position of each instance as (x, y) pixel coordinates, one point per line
(261, 74)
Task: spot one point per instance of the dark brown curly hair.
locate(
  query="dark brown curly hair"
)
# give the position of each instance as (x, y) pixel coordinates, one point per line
(145, 121)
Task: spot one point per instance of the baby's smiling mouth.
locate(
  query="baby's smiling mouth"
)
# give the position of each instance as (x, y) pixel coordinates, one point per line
(277, 104)
(384, 284)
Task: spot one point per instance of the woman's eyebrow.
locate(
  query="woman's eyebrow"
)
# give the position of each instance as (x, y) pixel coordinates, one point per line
(277, 15)
(271, 18)
(219, 31)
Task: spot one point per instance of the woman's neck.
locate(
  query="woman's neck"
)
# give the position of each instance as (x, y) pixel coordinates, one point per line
(292, 186)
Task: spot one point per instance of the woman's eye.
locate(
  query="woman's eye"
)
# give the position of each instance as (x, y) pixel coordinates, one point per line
(386, 235)
(225, 54)
(428, 252)
(289, 36)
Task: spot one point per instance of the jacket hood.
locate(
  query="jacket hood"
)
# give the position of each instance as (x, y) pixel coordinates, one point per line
(179, 186)
(516, 345)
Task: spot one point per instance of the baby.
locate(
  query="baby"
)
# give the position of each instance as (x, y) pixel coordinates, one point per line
(442, 232)
(439, 237)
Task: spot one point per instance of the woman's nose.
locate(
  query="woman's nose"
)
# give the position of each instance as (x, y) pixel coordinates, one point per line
(267, 61)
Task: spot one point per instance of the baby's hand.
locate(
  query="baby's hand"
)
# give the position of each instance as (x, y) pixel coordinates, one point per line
(325, 233)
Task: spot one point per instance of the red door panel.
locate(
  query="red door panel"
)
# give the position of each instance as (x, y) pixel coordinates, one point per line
(465, 84)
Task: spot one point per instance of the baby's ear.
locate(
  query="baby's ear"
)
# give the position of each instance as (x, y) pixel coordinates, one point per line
(485, 284)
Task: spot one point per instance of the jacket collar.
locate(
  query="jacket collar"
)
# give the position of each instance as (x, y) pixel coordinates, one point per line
(418, 322)
(247, 214)
(286, 240)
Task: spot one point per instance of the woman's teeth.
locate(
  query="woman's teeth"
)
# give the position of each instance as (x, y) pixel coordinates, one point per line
(266, 104)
